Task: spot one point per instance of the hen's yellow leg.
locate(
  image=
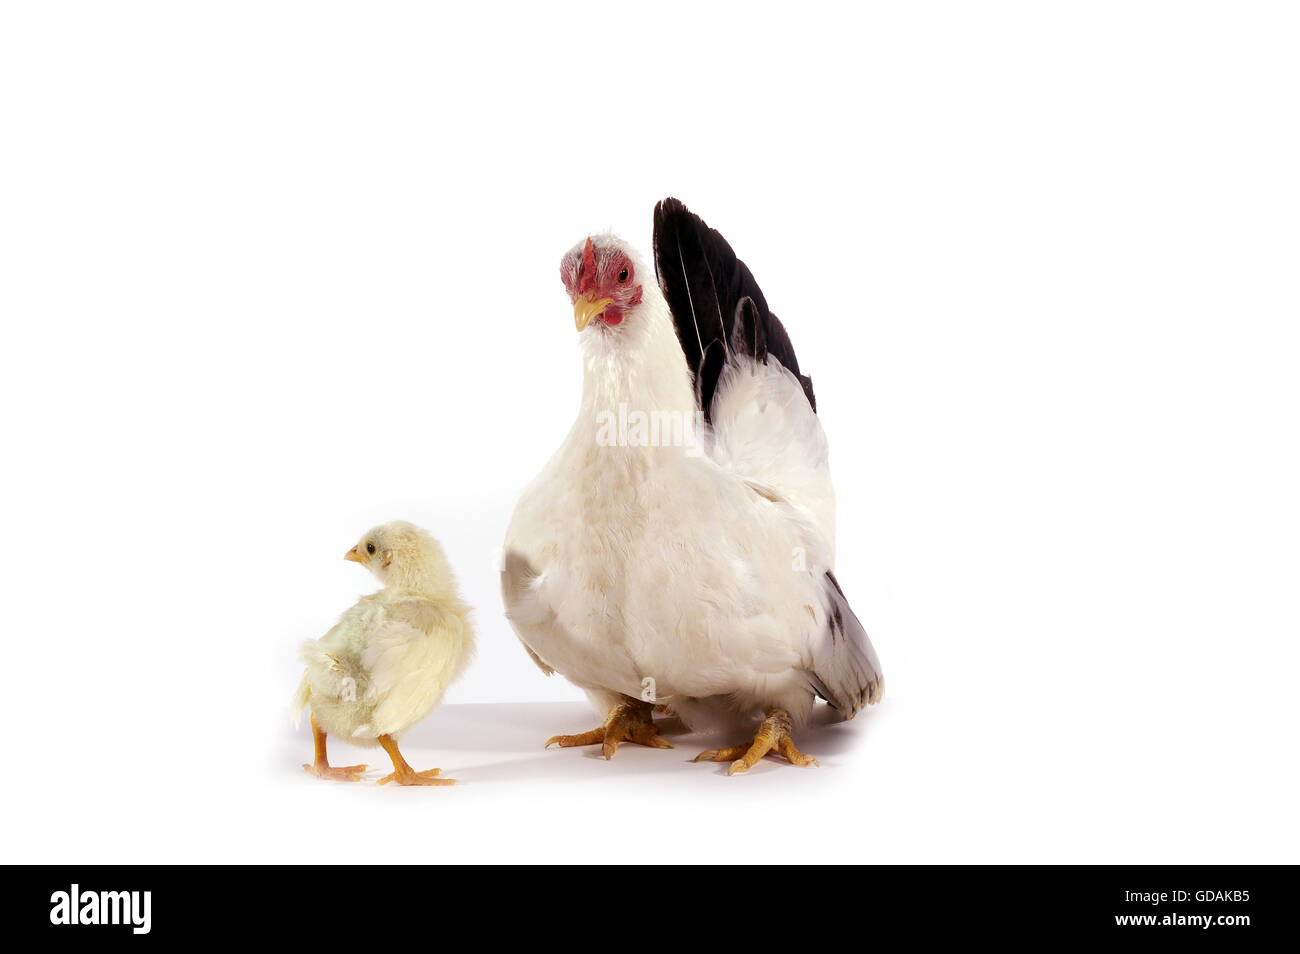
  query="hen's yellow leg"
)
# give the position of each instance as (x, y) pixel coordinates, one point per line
(773, 736)
(630, 721)
(321, 767)
(403, 774)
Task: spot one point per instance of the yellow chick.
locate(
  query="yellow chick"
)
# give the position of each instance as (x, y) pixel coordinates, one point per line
(387, 662)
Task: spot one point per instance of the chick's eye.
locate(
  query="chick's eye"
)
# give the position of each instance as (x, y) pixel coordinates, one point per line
(622, 275)
(370, 548)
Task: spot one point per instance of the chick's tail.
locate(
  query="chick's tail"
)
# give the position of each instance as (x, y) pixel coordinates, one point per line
(299, 702)
(323, 674)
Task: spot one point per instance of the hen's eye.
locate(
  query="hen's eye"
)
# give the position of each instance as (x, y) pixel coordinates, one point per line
(370, 548)
(622, 276)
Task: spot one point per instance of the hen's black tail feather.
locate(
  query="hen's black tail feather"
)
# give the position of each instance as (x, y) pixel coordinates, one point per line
(718, 308)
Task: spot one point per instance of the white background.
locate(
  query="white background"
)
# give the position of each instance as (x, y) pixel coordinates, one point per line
(273, 273)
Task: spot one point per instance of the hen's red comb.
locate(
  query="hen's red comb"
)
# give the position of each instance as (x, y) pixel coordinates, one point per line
(587, 274)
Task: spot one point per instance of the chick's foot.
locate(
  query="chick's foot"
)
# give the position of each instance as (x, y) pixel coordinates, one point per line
(403, 774)
(337, 773)
(627, 722)
(412, 777)
(773, 736)
(320, 765)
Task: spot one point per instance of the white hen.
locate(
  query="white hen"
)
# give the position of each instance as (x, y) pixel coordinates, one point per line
(679, 547)
(387, 662)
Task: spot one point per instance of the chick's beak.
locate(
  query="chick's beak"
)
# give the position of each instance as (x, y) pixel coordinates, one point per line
(354, 555)
(584, 310)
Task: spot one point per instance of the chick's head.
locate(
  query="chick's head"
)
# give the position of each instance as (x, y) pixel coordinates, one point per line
(403, 555)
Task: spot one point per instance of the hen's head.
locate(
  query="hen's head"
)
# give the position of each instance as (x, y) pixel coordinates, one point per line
(602, 278)
(401, 554)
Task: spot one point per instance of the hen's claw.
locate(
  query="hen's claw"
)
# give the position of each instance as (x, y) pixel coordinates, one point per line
(628, 722)
(773, 736)
(582, 738)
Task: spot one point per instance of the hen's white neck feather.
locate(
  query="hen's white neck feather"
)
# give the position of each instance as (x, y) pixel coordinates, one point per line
(638, 364)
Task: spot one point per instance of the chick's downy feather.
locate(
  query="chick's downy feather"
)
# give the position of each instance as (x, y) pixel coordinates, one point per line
(387, 662)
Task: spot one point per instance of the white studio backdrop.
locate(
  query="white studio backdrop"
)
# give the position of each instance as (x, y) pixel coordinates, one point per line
(273, 273)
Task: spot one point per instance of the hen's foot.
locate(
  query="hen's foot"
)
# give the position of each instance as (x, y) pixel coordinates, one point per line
(773, 736)
(337, 773)
(403, 774)
(628, 722)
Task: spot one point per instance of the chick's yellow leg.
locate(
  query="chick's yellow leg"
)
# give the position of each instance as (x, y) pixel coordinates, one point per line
(772, 736)
(321, 767)
(403, 774)
(630, 721)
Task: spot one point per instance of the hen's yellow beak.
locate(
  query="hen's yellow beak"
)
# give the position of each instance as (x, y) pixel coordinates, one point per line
(354, 555)
(584, 310)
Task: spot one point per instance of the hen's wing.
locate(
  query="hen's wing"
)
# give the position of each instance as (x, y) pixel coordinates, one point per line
(524, 610)
(845, 670)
